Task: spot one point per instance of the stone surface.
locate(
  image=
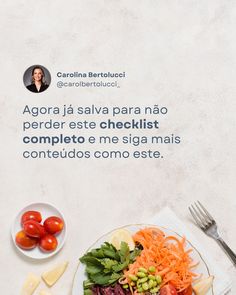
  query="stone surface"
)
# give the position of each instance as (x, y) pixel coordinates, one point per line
(176, 53)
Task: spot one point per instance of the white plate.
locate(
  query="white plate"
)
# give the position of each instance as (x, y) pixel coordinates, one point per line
(80, 275)
(46, 211)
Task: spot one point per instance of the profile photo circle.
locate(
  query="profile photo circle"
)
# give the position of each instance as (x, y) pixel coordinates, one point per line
(37, 78)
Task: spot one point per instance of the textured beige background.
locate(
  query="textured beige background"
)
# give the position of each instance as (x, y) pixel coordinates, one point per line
(176, 53)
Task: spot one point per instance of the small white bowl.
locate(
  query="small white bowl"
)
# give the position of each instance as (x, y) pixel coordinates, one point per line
(46, 211)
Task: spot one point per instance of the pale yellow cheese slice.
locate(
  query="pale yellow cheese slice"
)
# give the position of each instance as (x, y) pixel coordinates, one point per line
(31, 283)
(52, 276)
(203, 286)
(44, 292)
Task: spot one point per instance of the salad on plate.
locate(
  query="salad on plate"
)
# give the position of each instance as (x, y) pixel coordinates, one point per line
(147, 262)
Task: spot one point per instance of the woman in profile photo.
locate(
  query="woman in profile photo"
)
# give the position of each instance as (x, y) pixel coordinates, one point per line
(38, 83)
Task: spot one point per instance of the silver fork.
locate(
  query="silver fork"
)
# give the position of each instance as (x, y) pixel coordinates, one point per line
(207, 224)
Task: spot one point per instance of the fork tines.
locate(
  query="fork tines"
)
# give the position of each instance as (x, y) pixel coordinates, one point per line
(201, 216)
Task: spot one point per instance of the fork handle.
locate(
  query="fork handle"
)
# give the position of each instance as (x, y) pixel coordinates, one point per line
(227, 249)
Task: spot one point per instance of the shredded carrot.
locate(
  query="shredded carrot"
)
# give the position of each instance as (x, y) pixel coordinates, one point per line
(167, 254)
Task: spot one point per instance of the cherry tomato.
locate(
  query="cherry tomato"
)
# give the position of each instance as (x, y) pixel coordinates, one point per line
(53, 225)
(25, 242)
(168, 290)
(34, 229)
(31, 215)
(188, 291)
(48, 243)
